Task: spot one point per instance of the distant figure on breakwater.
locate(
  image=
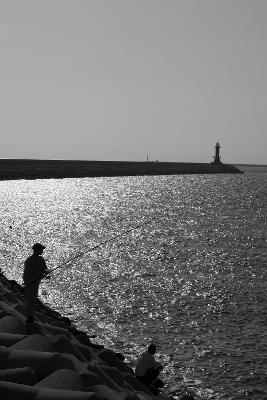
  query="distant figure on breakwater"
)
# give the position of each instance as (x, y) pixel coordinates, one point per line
(35, 270)
(147, 369)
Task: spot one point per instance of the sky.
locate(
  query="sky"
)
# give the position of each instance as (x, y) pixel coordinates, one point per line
(127, 79)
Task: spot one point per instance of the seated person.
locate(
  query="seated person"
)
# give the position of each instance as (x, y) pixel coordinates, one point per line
(147, 369)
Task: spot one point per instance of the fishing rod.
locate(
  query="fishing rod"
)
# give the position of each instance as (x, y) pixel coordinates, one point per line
(99, 245)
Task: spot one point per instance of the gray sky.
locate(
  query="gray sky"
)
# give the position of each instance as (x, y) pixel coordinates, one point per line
(120, 79)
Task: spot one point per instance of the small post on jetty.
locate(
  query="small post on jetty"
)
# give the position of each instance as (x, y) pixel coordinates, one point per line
(217, 159)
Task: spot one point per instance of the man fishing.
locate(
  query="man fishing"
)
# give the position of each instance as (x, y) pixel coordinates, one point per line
(147, 369)
(35, 270)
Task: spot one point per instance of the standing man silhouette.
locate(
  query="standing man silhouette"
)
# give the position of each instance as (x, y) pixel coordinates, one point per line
(35, 270)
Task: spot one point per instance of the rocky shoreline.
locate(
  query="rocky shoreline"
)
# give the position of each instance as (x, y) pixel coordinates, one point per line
(52, 360)
(11, 169)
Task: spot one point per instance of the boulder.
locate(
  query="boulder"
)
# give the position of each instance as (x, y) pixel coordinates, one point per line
(25, 375)
(65, 379)
(11, 324)
(34, 342)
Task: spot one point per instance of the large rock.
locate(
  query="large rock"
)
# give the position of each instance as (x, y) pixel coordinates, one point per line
(11, 324)
(35, 342)
(62, 379)
(25, 375)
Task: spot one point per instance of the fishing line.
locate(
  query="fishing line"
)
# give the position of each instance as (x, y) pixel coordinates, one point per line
(100, 244)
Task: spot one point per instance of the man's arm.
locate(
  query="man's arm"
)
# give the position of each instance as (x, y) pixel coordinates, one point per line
(46, 272)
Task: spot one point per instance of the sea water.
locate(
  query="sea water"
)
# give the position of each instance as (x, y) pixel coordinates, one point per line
(181, 262)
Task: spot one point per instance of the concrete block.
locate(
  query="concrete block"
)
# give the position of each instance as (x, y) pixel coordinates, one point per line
(43, 363)
(16, 391)
(11, 310)
(63, 345)
(135, 383)
(54, 330)
(62, 379)
(20, 307)
(9, 297)
(25, 376)
(86, 351)
(35, 342)
(106, 393)
(111, 359)
(4, 356)
(103, 376)
(33, 328)
(8, 339)
(54, 394)
(11, 324)
(114, 374)
(91, 378)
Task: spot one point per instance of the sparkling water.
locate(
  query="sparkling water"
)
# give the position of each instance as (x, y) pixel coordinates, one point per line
(191, 278)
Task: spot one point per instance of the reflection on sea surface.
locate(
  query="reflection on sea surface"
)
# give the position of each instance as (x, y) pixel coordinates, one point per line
(193, 279)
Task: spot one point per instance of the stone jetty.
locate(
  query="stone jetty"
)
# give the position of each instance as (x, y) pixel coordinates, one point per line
(52, 360)
(45, 169)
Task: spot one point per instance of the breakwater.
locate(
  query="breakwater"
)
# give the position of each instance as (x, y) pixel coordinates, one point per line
(44, 169)
(51, 359)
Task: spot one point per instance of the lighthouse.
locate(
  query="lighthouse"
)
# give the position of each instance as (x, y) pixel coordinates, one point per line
(217, 159)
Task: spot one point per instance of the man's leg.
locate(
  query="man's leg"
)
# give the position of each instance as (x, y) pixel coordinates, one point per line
(151, 374)
(31, 294)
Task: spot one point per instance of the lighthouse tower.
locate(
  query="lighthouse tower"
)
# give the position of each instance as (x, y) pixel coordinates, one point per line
(217, 159)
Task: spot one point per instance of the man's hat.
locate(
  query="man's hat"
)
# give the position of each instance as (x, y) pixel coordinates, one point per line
(38, 246)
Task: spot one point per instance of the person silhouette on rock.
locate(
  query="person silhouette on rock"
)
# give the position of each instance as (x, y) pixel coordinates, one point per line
(147, 369)
(35, 270)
